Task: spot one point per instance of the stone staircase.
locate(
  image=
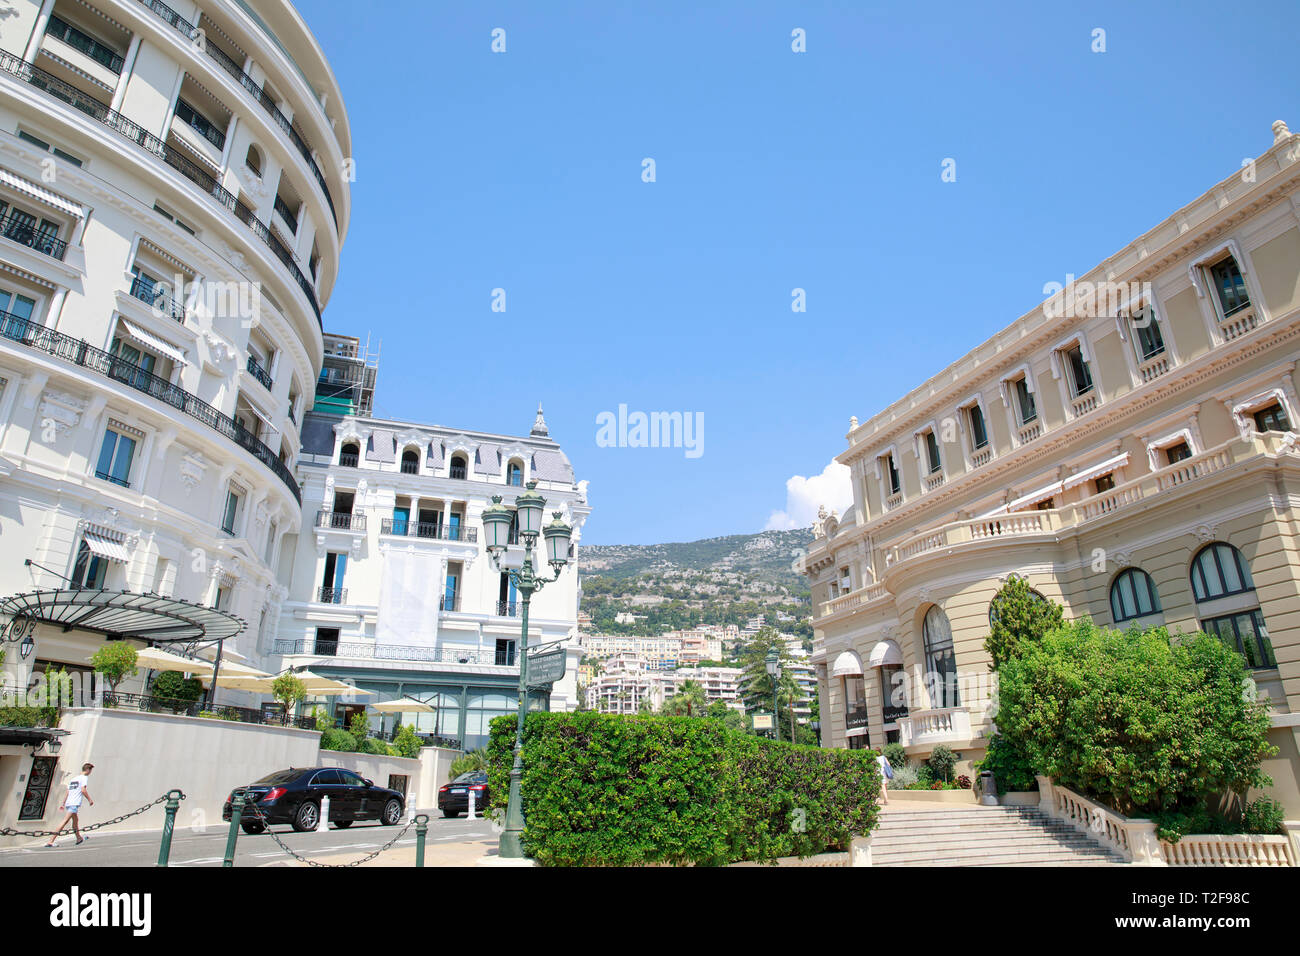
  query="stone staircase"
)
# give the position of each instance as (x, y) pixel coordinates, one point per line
(982, 836)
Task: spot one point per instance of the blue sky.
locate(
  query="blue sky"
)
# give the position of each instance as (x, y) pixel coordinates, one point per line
(774, 171)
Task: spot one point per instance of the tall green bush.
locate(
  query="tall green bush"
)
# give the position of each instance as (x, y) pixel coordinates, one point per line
(1019, 618)
(1145, 724)
(606, 790)
(407, 742)
(1009, 764)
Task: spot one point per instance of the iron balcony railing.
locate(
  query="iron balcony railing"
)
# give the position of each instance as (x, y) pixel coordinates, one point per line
(147, 291)
(340, 521)
(449, 602)
(101, 54)
(410, 467)
(457, 472)
(190, 31)
(427, 529)
(507, 609)
(105, 476)
(200, 124)
(23, 230)
(259, 373)
(170, 705)
(347, 461)
(85, 355)
(363, 650)
(172, 157)
(332, 596)
(285, 212)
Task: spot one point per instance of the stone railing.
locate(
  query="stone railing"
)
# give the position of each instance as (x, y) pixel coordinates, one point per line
(981, 457)
(934, 481)
(1051, 521)
(1237, 324)
(926, 727)
(1027, 433)
(1083, 404)
(1137, 842)
(1154, 367)
(864, 595)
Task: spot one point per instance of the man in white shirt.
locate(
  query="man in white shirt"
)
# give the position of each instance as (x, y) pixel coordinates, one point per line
(78, 793)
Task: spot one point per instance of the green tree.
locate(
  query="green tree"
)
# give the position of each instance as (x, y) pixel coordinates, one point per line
(289, 690)
(758, 683)
(115, 662)
(407, 742)
(1143, 723)
(689, 701)
(471, 761)
(359, 726)
(1018, 619)
(180, 691)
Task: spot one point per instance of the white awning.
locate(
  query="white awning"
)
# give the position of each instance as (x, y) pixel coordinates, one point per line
(40, 193)
(151, 341)
(265, 420)
(847, 664)
(1110, 464)
(886, 654)
(107, 547)
(1030, 499)
(857, 732)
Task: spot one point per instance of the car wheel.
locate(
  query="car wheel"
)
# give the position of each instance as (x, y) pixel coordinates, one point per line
(451, 814)
(343, 824)
(392, 812)
(253, 828)
(307, 817)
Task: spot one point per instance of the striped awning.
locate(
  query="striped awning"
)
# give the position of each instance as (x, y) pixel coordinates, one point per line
(151, 341)
(1097, 470)
(40, 193)
(107, 547)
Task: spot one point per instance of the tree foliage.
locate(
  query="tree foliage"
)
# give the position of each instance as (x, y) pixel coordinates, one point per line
(289, 690)
(115, 662)
(1143, 723)
(1018, 620)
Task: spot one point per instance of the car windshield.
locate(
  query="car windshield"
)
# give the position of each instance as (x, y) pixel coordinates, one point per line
(279, 777)
(471, 777)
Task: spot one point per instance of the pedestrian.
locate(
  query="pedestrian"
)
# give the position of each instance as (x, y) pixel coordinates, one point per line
(77, 792)
(886, 775)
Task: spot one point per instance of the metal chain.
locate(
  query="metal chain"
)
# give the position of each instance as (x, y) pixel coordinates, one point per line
(261, 818)
(6, 831)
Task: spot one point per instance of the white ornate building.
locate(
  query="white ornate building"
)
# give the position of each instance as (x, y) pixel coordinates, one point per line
(174, 193)
(390, 587)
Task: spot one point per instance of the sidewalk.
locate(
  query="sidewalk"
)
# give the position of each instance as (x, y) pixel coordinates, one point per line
(460, 853)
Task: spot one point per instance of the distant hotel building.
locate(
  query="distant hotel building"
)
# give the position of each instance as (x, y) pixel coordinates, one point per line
(1137, 463)
(391, 589)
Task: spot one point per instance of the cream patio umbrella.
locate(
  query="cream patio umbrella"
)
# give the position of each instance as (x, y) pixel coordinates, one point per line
(155, 658)
(403, 705)
(318, 686)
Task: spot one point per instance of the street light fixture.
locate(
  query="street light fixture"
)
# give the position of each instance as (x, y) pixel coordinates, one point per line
(530, 508)
(773, 663)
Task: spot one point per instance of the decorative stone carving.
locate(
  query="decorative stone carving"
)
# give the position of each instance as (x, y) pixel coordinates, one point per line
(192, 467)
(61, 410)
(1204, 533)
(219, 348)
(1280, 132)
(260, 515)
(1121, 559)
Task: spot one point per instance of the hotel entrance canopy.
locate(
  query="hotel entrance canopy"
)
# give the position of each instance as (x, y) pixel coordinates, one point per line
(147, 617)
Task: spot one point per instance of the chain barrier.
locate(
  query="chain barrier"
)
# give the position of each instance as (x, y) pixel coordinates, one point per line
(6, 831)
(260, 817)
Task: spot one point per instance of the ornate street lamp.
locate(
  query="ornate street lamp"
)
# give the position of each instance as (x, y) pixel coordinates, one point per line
(530, 508)
(773, 663)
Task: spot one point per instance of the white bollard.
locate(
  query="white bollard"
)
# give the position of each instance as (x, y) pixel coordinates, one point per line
(471, 815)
(323, 823)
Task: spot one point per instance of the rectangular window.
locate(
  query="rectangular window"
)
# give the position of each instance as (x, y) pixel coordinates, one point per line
(505, 652)
(231, 512)
(979, 432)
(1104, 483)
(327, 641)
(932, 452)
(115, 456)
(1025, 402)
(1146, 333)
(18, 306)
(895, 481)
(1080, 373)
(1246, 634)
(1272, 419)
(1230, 286)
(1177, 452)
(89, 569)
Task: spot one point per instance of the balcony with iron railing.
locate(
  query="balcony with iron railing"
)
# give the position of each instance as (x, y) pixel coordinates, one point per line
(348, 460)
(84, 355)
(326, 595)
(507, 609)
(262, 375)
(288, 215)
(340, 521)
(148, 291)
(24, 231)
(84, 43)
(190, 32)
(172, 157)
(434, 530)
(366, 650)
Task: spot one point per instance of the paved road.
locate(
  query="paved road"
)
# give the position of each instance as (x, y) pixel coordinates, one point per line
(190, 848)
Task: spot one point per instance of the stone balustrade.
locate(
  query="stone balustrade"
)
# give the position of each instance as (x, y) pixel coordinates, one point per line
(929, 727)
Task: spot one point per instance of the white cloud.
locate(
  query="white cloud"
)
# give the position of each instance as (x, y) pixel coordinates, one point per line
(803, 496)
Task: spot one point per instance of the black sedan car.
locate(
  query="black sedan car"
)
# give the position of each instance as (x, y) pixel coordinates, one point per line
(453, 798)
(294, 796)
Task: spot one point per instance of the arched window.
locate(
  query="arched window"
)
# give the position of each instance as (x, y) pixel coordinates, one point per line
(515, 473)
(349, 455)
(254, 160)
(940, 659)
(458, 466)
(1133, 594)
(1218, 571)
(410, 462)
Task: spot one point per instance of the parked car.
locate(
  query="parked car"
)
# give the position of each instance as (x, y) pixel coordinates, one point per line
(453, 798)
(294, 796)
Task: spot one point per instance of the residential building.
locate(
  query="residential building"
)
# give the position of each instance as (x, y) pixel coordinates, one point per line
(719, 683)
(171, 217)
(390, 588)
(1130, 450)
(627, 684)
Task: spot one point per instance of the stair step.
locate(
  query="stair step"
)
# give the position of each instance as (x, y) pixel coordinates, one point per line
(1009, 856)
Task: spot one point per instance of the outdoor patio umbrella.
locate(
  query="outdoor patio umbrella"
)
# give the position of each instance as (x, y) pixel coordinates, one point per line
(403, 705)
(155, 658)
(318, 686)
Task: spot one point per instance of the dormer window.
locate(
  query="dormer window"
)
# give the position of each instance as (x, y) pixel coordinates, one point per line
(515, 474)
(410, 462)
(349, 454)
(459, 466)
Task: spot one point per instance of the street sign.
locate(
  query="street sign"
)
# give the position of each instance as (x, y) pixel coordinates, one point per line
(545, 669)
(763, 722)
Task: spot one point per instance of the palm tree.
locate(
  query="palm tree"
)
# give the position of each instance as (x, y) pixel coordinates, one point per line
(689, 700)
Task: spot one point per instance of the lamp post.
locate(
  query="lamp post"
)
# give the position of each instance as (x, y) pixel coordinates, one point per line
(773, 663)
(529, 507)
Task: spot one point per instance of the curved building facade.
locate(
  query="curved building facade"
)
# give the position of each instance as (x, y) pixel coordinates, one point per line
(1130, 448)
(174, 193)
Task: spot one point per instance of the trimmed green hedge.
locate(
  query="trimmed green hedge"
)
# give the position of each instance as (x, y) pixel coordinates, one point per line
(604, 790)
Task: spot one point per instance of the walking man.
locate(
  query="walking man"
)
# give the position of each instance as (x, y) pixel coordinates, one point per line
(77, 792)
